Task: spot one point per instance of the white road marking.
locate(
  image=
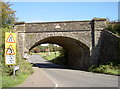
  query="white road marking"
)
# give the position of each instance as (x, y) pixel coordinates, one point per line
(56, 85)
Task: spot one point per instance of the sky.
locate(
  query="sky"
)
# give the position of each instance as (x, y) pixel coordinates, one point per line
(64, 11)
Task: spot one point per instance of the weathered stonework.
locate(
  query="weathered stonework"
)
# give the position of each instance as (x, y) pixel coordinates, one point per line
(110, 47)
(81, 39)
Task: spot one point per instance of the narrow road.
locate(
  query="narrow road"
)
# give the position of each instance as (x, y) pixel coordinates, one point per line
(64, 77)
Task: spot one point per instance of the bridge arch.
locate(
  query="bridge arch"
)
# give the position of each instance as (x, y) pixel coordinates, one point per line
(77, 52)
(86, 38)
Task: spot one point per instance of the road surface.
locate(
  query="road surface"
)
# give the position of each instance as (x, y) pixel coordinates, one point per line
(63, 77)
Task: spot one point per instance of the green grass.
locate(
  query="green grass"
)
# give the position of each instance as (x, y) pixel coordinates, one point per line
(52, 55)
(21, 75)
(113, 71)
(106, 69)
(9, 81)
(0, 81)
(46, 55)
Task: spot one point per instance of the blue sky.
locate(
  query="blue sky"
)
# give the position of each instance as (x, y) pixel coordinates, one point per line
(64, 11)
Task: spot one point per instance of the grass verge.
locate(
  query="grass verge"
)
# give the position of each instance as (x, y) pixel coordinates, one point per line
(21, 75)
(47, 55)
(109, 68)
(9, 81)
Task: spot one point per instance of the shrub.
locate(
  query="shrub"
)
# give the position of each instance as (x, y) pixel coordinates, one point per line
(114, 27)
(6, 69)
(109, 68)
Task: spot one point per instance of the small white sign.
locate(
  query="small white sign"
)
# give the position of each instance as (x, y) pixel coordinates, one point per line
(10, 59)
(26, 55)
(57, 26)
(16, 67)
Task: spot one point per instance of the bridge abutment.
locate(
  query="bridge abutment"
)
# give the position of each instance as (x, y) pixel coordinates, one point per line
(98, 25)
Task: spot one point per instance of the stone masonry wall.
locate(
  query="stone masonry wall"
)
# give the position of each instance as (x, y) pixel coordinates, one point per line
(110, 47)
(59, 26)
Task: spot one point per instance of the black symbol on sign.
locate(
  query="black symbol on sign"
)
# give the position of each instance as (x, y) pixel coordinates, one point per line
(10, 39)
(10, 50)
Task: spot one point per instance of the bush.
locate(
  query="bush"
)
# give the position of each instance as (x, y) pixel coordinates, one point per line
(109, 68)
(7, 71)
(25, 67)
(115, 28)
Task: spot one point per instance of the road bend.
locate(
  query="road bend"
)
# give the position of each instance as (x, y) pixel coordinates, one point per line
(65, 77)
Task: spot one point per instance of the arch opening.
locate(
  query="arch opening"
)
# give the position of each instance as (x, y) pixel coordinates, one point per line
(51, 52)
(77, 53)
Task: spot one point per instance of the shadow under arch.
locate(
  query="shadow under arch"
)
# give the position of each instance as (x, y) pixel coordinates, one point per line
(78, 54)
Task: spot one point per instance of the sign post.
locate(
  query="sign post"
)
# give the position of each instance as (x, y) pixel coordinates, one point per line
(10, 50)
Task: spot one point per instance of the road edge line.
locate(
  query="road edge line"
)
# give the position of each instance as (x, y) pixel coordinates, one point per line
(56, 85)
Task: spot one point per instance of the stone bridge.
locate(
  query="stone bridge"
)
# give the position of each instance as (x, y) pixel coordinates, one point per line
(82, 40)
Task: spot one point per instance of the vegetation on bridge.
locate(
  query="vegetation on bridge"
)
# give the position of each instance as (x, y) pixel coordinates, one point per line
(114, 27)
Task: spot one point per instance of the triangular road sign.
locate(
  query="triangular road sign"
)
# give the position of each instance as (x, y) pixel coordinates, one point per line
(10, 50)
(10, 39)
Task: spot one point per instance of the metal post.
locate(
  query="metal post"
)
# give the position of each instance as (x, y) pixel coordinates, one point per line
(14, 71)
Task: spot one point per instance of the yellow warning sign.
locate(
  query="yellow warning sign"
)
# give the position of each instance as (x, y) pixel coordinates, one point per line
(10, 39)
(10, 48)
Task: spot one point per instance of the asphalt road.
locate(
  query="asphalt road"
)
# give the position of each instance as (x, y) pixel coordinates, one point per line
(64, 77)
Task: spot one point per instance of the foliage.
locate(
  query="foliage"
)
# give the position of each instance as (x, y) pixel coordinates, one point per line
(7, 71)
(114, 27)
(5, 68)
(8, 15)
(35, 50)
(51, 47)
(52, 55)
(109, 68)
(25, 67)
(59, 58)
(54, 48)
